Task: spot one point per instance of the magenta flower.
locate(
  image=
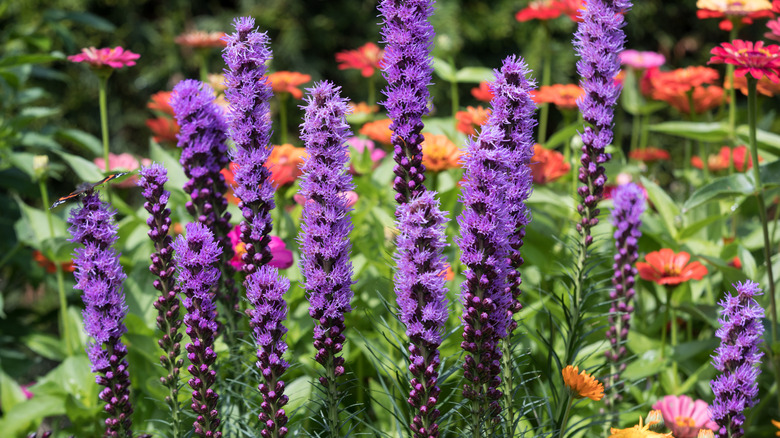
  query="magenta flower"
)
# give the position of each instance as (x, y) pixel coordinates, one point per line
(351, 195)
(106, 57)
(361, 144)
(749, 57)
(684, 417)
(281, 257)
(641, 60)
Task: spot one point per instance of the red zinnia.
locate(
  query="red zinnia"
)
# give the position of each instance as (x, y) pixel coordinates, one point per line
(288, 82)
(750, 57)
(161, 101)
(649, 154)
(482, 92)
(106, 57)
(563, 96)
(366, 58)
(539, 10)
(720, 161)
(667, 267)
(547, 165)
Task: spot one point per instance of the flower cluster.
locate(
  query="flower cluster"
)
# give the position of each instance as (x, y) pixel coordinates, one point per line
(736, 359)
(749, 57)
(99, 275)
(196, 258)
(249, 118)
(629, 200)
(667, 267)
(599, 40)
(407, 69)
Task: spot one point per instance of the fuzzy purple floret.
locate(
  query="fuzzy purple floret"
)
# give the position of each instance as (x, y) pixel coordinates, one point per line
(249, 118)
(629, 201)
(325, 228)
(265, 291)
(407, 66)
(196, 259)
(421, 297)
(737, 359)
(99, 275)
(599, 40)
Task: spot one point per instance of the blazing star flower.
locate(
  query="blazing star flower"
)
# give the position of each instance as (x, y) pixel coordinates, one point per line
(106, 57)
(749, 57)
(379, 131)
(249, 118)
(99, 275)
(199, 39)
(367, 58)
(49, 265)
(640, 431)
(741, 157)
(281, 257)
(265, 290)
(650, 154)
(469, 120)
(482, 92)
(439, 153)
(583, 384)
(288, 82)
(684, 416)
(641, 60)
(667, 267)
(599, 39)
(629, 201)
(562, 96)
(737, 359)
(547, 165)
(196, 256)
(744, 10)
(407, 67)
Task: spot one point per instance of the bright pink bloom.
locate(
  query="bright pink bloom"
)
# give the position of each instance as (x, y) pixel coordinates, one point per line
(361, 144)
(352, 198)
(281, 257)
(774, 27)
(641, 60)
(122, 163)
(684, 416)
(749, 57)
(114, 58)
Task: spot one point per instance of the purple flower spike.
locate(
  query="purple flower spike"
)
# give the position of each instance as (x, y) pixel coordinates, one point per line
(407, 67)
(203, 139)
(738, 359)
(153, 179)
(249, 117)
(326, 224)
(265, 289)
(196, 258)
(100, 276)
(629, 200)
(599, 40)
(419, 286)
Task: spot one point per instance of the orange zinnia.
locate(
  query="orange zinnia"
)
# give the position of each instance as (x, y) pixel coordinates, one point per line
(667, 267)
(777, 425)
(378, 131)
(564, 96)
(366, 58)
(161, 101)
(439, 153)
(704, 99)
(649, 154)
(640, 430)
(582, 384)
(469, 120)
(764, 85)
(547, 165)
(362, 108)
(720, 161)
(682, 80)
(288, 82)
(285, 164)
(164, 129)
(199, 39)
(482, 92)
(49, 265)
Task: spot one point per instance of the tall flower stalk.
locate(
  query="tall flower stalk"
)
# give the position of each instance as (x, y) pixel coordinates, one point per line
(203, 140)
(325, 228)
(249, 118)
(737, 359)
(99, 275)
(153, 179)
(196, 258)
(629, 200)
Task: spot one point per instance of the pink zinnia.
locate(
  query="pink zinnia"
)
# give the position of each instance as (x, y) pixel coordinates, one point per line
(684, 416)
(122, 163)
(114, 58)
(750, 57)
(641, 60)
(281, 257)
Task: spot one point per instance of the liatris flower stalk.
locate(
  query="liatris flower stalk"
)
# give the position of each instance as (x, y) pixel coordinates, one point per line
(249, 118)
(599, 40)
(265, 291)
(99, 274)
(407, 67)
(203, 139)
(325, 229)
(196, 257)
(629, 202)
(153, 179)
(737, 359)
(421, 296)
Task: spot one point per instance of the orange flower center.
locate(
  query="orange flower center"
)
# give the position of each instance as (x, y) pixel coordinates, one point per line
(684, 421)
(240, 249)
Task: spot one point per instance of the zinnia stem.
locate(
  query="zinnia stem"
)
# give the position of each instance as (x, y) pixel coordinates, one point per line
(103, 102)
(546, 66)
(283, 117)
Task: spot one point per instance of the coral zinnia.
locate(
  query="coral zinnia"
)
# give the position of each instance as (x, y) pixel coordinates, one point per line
(106, 57)
(681, 80)
(378, 131)
(718, 162)
(563, 96)
(469, 120)
(749, 57)
(285, 164)
(482, 92)
(764, 86)
(547, 165)
(439, 152)
(366, 58)
(200, 39)
(684, 416)
(582, 384)
(288, 82)
(649, 154)
(667, 267)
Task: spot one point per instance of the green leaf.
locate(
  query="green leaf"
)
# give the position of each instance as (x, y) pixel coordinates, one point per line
(48, 346)
(630, 98)
(33, 227)
(666, 207)
(770, 174)
(726, 187)
(563, 135)
(85, 169)
(176, 177)
(27, 415)
(80, 138)
(474, 74)
(30, 58)
(23, 161)
(765, 140)
(84, 18)
(697, 226)
(444, 70)
(709, 132)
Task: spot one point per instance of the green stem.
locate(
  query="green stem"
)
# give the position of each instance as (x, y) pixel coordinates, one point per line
(546, 75)
(506, 369)
(333, 399)
(664, 329)
(635, 129)
(371, 89)
(203, 65)
(673, 319)
(103, 102)
(283, 116)
(455, 98)
(565, 421)
(644, 133)
(732, 91)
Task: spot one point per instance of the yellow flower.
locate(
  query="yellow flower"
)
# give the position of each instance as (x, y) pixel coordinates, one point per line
(582, 384)
(640, 431)
(706, 433)
(734, 7)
